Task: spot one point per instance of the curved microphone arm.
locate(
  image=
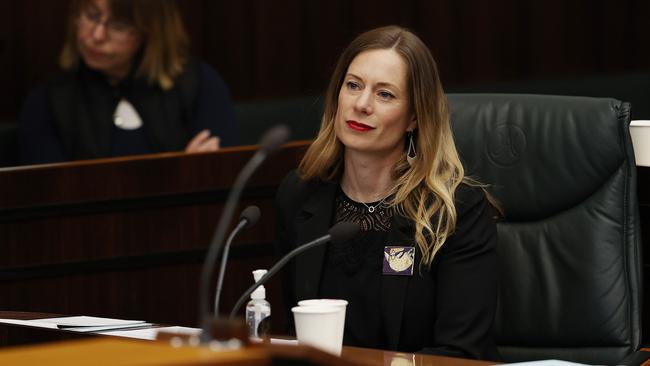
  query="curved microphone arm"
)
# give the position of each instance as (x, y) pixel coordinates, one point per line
(217, 240)
(277, 267)
(224, 262)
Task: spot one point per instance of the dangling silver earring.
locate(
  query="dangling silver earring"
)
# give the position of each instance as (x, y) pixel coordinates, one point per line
(410, 152)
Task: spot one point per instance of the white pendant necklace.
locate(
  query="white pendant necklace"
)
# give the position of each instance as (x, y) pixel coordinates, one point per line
(371, 208)
(126, 117)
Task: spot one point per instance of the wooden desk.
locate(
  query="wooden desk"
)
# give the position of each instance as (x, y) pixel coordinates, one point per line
(119, 352)
(126, 237)
(106, 350)
(380, 357)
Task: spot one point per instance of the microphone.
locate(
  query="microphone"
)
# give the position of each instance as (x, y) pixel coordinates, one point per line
(247, 218)
(269, 143)
(339, 233)
(274, 138)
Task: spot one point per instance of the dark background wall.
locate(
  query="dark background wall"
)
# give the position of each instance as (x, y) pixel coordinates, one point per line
(278, 48)
(266, 49)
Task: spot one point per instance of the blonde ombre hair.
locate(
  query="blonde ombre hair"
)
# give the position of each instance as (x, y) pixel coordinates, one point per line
(425, 191)
(165, 45)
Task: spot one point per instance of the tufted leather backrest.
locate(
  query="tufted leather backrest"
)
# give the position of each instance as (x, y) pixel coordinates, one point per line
(569, 246)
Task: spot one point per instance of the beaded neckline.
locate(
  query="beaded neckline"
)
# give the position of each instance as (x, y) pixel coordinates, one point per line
(376, 219)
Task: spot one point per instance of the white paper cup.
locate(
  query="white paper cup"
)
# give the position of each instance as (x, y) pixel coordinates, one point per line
(325, 302)
(340, 304)
(317, 326)
(640, 131)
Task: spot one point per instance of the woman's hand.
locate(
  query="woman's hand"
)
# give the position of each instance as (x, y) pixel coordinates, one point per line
(203, 142)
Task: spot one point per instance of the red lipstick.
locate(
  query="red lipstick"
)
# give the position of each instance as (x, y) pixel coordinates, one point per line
(358, 126)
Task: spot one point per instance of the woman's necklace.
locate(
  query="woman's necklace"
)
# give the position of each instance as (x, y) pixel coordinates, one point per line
(371, 208)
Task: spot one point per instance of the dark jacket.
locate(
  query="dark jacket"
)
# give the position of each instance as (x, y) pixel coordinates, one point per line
(71, 117)
(448, 309)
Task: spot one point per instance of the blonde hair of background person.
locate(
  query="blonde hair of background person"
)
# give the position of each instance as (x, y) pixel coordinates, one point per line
(426, 188)
(166, 45)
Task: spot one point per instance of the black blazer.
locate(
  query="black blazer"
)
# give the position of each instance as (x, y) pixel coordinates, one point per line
(447, 309)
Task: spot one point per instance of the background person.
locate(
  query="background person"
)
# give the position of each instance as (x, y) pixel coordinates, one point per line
(422, 274)
(128, 86)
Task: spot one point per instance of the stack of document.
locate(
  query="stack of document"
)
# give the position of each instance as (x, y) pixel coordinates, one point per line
(83, 324)
(138, 329)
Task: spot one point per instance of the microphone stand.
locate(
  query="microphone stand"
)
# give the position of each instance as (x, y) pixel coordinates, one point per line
(270, 142)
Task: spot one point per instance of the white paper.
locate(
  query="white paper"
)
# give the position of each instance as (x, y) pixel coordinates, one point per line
(108, 327)
(83, 324)
(147, 334)
(286, 342)
(29, 323)
(79, 323)
(181, 330)
(87, 321)
(152, 333)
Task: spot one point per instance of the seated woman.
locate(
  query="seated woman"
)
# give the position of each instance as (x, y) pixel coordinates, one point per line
(127, 87)
(422, 274)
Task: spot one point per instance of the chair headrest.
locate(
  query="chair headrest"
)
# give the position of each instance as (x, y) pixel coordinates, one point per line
(554, 151)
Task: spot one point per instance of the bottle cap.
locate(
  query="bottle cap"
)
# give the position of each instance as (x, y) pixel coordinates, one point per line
(258, 274)
(260, 292)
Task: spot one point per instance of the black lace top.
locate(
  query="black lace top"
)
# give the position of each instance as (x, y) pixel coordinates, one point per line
(355, 265)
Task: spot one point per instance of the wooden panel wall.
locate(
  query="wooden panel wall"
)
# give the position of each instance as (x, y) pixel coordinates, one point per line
(288, 47)
(126, 237)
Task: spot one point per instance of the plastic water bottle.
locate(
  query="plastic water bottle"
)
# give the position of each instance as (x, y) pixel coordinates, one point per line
(258, 310)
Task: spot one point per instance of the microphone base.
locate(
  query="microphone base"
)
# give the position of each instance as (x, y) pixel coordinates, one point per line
(225, 335)
(226, 329)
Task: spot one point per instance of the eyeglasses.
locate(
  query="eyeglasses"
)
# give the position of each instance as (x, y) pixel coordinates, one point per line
(92, 18)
